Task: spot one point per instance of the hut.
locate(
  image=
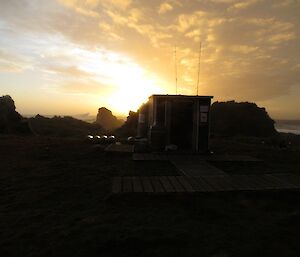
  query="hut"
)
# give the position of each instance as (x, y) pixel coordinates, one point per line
(177, 122)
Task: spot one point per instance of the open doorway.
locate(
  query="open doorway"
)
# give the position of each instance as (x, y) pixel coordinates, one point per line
(181, 129)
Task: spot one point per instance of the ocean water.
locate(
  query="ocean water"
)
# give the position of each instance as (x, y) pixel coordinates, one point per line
(288, 127)
(289, 130)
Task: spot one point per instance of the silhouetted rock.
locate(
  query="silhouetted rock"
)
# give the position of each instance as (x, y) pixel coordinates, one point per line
(129, 128)
(232, 118)
(107, 120)
(11, 121)
(63, 126)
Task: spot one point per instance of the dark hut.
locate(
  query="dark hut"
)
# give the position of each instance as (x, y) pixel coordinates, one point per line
(176, 122)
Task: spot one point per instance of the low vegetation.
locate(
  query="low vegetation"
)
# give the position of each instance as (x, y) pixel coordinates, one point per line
(56, 201)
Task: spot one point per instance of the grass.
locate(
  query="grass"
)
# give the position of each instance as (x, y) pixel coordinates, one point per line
(54, 202)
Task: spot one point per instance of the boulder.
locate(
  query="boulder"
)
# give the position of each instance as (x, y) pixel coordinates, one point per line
(107, 120)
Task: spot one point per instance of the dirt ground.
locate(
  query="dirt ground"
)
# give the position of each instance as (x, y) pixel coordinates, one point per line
(55, 201)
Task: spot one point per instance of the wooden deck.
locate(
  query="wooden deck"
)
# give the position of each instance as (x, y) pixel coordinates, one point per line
(119, 148)
(194, 168)
(188, 184)
(193, 157)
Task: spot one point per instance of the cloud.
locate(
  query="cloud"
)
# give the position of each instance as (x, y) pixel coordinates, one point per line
(242, 5)
(243, 49)
(165, 7)
(10, 62)
(83, 87)
(248, 47)
(186, 21)
(82, 7)
(282, 37)
(72, 71)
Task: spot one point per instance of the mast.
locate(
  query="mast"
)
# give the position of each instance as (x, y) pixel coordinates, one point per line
(175, 59)
(199, 59)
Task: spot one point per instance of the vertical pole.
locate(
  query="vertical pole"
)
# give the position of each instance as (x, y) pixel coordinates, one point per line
(175, 59)
(199, 59)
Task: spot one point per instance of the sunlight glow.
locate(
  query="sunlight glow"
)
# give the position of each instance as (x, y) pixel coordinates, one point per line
(132, 84)
(101, 77)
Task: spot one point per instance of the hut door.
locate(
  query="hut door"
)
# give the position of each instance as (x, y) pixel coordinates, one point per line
(181, 129)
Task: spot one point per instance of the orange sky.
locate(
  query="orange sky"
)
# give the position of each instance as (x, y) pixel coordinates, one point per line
(74, 56)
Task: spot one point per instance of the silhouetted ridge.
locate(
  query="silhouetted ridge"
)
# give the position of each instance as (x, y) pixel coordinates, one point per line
(232, 118)
(11, 122)
(63, 126)
(107, 120)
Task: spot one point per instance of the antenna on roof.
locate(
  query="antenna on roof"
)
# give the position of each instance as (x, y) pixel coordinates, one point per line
(175, 60)
(199, 59)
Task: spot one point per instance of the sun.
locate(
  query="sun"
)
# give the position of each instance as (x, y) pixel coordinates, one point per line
(132, 91)
(130, 83)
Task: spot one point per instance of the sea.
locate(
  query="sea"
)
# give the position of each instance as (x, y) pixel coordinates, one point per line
(288, 126)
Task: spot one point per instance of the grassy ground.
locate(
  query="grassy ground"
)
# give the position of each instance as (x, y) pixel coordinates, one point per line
(54, 202)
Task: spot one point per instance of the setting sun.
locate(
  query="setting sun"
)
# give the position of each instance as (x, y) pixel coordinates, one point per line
(133, 89)
(130, 84)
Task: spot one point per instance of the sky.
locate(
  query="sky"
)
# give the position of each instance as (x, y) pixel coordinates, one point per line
(70, 57)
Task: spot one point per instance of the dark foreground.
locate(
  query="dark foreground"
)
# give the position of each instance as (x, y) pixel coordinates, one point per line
(55, 201)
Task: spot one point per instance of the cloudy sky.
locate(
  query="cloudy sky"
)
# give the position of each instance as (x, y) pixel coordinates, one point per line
(73, 56)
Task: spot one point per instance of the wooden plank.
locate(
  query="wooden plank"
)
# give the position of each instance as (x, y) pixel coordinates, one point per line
(137, 185)
(289, 178)
(184, 182)
(196, 168)
(175, 183)
(270, 183)
(116, 185)
(127, 184)
(259, 183)
(228, 183)
(256, 182)
(232, 158)
(119, 148)
(166, 184)
(158, 188)
(147, 185)
(212, 181)
(296, 179)
(220, 183)
(204, 185)
(196, 186)
(280, 182)
(242, 183)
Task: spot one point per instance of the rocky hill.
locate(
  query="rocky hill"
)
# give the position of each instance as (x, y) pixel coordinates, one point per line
(107, 120)
(11, 122)
(232, 118)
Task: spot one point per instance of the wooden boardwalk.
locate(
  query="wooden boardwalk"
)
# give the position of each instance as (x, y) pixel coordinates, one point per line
(188, 184)
(119, 148)
(192, 157)
(196, 168)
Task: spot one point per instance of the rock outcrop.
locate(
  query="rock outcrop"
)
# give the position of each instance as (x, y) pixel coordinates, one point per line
(129, 128)
(11, 122)
(107, 120)
(232, 118)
